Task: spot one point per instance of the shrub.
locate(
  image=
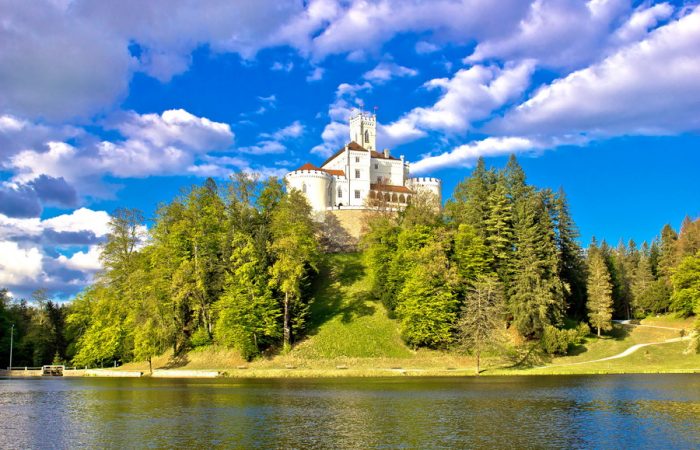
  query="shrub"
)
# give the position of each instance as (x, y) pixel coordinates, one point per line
(558, 342)
(200, 338)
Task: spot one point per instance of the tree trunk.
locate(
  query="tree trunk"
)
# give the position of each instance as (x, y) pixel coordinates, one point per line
(150, 366)
(478, 361)
(598, 331)
(287, 330)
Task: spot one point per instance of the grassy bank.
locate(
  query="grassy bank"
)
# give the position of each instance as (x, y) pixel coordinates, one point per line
(351, 334)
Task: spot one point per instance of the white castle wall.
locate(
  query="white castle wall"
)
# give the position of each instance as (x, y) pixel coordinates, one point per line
(426, 184)
(315, 184)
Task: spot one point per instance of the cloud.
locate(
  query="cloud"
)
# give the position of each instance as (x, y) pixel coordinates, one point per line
(424, 47)
(19, 265)
(472, 94)
(57, 66)
(17, 134)
(273, 142)
(386, 71)
(55, 191)
(465, 155)
(282, 67)
(624, 93)
(556, 33)
(21, 201)
(153, 144)
(316, 74)
(83, 261)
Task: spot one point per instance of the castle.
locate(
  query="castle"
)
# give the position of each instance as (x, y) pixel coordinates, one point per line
(358, 175)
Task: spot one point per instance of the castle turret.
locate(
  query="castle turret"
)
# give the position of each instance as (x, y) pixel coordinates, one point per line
(426, 184)
(363, 130)
(314, 183)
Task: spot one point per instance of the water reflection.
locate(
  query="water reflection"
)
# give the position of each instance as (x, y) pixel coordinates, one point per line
(643, 411)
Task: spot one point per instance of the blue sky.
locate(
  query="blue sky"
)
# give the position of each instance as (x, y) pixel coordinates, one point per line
(103, 106)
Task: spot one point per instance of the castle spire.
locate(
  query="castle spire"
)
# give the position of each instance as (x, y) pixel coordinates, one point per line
(363, 129)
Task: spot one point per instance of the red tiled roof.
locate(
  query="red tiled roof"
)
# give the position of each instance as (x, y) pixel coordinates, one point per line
(381, 155)
(309, 166)
(389, 188)
(352, 146)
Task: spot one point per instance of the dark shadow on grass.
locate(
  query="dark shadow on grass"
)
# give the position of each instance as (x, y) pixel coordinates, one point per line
(330, 299)
(176, 361)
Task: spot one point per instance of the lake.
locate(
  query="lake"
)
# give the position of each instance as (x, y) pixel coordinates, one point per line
(610, 411)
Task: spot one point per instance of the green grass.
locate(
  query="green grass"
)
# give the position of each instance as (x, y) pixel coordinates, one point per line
(346, 322)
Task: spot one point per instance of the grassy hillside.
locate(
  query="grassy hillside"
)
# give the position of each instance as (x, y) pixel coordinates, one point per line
(345, 322)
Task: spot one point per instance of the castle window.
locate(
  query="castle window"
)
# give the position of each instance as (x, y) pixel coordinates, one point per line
(366, 135)
(357, 159)
(376, 166)
(357, 173)
(379, 180)
(303, 188)
(357, 194)
(340, 192)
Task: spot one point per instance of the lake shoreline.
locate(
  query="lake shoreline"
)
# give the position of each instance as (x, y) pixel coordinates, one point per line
(328, 373)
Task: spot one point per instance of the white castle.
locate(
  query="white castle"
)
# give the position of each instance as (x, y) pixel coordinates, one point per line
(358, 172)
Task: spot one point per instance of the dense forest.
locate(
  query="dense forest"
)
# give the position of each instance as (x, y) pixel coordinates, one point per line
(233, 264)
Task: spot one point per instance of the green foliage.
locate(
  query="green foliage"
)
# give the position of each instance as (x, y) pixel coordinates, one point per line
(557, 341)
(427, 304)
(686, 286)
(481, 321)
(600, 304)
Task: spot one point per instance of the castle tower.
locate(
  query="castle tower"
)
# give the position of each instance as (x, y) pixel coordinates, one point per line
(363, 130)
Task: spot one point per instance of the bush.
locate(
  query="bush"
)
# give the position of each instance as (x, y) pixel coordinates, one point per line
(558, 342)
(200, 338)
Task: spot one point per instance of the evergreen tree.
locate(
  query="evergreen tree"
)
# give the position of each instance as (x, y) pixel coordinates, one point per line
(689, 238)
(537, 293)
(482, 316)
(599, 292)
(469, 203)
(572, 269)
(667, 253)
(499, 228)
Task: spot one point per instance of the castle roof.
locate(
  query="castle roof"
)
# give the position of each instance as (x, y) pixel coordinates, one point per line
(309, 166)
(354, 146)
(389, 188)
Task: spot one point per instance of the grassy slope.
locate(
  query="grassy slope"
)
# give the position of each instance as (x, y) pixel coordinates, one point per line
(350, 330)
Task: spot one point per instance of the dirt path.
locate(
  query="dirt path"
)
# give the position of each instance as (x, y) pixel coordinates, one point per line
(631, 349)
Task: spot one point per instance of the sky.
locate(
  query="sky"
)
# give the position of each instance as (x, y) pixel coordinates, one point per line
(121, 104)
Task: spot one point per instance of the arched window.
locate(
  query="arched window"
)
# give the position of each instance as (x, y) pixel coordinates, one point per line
(303, 188)
(366, 135)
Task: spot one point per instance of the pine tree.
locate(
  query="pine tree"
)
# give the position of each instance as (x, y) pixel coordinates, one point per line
(668, 254)
(480, 323)
(499, 228)
(600, 303)
(689, 238)
(572, 270)
(537, 293)
(643, 286)
(469, 204)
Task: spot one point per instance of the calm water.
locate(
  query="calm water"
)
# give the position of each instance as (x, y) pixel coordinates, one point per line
(626, 411)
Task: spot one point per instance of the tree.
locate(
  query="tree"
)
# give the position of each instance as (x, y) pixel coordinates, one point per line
(689, 238)
(499, 228)
(469, 204)
(295, 252)
(537, 293)
(686, 286)
(427, 304)
(572, 266)
(600, 304)
(482, 316)
(248, 312)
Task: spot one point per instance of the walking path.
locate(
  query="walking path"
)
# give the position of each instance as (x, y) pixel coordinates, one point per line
(631, 349)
